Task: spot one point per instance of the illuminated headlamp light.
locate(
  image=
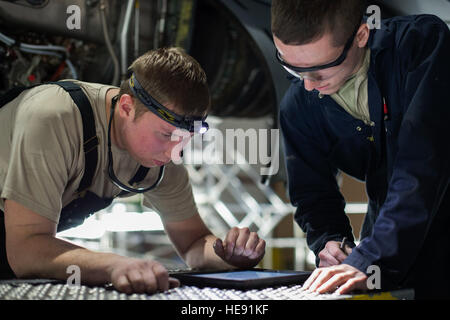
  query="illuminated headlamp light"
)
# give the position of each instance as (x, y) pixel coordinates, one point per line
(190, 123)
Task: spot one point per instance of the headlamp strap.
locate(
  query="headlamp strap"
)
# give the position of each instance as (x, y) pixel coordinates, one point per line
(182, 122)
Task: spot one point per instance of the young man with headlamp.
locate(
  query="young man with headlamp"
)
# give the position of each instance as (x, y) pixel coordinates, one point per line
(48, 182)
(372, 103)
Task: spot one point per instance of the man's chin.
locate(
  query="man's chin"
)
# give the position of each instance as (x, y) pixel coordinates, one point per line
(328, 90)
(157, 163)
(149, 163)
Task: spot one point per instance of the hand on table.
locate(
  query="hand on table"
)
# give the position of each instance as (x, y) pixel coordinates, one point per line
(130, 275)
(241, 248)
(341, 278)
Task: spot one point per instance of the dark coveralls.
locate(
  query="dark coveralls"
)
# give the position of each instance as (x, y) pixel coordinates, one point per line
(404, 158)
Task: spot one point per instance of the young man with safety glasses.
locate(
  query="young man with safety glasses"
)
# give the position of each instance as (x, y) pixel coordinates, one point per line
(372, 103)
(48, 152)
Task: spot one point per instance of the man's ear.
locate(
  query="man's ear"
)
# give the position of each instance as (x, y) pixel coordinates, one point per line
(362, 36)
(126, 106)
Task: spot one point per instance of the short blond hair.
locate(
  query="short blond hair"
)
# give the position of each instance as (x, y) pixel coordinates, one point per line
(170, 75)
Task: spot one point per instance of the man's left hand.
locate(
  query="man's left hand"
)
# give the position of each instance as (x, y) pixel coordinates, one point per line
(341, 278)
(241, 248)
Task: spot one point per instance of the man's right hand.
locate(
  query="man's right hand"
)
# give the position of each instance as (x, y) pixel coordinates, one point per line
(33, 251)
(332, 254)
(130, 275)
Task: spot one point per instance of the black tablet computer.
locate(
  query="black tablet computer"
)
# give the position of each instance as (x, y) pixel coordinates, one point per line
(243, 279)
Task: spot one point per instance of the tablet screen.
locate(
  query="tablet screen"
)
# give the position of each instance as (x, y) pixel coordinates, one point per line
(243, 275)
(242, 279)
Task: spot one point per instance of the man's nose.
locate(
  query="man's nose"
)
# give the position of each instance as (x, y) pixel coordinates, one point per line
(168, 154)
(310, 84)
(174, 149)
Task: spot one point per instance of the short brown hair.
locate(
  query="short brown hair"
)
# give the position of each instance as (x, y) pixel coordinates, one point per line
(298, 22)
(170, 75)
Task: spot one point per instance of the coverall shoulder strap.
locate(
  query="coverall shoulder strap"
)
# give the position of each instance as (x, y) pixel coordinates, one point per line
(90, 140)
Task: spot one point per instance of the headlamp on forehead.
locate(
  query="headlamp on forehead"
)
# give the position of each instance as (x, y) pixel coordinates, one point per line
(191, 123)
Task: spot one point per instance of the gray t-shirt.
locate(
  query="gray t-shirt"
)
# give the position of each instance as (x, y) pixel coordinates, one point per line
(42, 158)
